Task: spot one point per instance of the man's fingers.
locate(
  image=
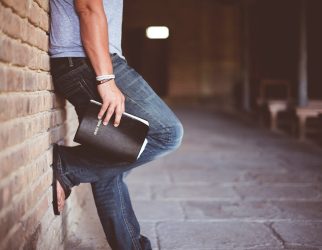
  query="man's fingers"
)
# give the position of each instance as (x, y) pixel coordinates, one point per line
(109, 113)
(123, 107)
(122, 104)
(118, 115)
(103, 110)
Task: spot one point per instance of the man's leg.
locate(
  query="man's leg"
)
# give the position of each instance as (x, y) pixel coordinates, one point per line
(115, 211)
(83, 165)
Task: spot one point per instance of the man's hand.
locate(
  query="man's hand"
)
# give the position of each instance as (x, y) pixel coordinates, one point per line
(113, 101)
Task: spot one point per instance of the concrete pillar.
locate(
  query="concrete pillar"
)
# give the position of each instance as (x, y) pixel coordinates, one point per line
(246, 56)
(303, 64)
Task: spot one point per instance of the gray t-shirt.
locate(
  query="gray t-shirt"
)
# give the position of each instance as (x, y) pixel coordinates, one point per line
(64, 36)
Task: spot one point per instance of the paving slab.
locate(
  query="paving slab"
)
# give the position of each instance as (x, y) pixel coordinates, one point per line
(148, 230)
(151, 173)
(207, 176)
(227, 210)
(259, 176)
(300, 210)
(139, 191)
(253, 210)
(193, 192)
(279, 191)
(156, 210)
(214, 235)
(302, 233)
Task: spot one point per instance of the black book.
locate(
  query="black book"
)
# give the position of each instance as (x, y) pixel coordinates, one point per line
(125, 142)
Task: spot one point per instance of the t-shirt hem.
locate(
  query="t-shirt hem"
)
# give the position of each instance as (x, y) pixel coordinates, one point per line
(78, 54)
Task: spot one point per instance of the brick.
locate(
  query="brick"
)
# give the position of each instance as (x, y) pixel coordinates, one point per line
(16, 27)
(38, 16)
(19, 130)
(46, 234)
(25, 104)
(42, 39)
(6, 52)
(29, 199)
(44, 61)
(30, 222)
(10, 218)
(21, 79)
(35, 81)
(32, 240)
(31, 10)
(22, 179)
(24, 154)
(10, 24)
(12, 78)
(13, 242)
(27, 232)
(44, 4)
(20, 7)
(22, 54)
(3, 78)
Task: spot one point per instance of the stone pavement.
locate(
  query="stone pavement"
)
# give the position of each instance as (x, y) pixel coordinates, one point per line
(231, 185)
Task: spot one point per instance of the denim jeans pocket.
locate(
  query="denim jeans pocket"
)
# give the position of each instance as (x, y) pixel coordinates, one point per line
(75, 87)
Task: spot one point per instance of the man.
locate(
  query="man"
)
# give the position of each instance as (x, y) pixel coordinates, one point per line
(87, 63)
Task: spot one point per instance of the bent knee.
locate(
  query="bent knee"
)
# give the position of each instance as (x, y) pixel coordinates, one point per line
(175, 136)
(167, 139)
(178, 135)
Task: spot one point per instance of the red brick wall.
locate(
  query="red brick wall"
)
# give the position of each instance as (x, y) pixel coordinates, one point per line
(32, 117)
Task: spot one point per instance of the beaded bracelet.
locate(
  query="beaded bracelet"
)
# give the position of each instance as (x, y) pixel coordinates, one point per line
(104, 78)
(103, 81)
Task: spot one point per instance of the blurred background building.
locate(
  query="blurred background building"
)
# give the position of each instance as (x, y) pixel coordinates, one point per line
(258, 59)
(261, 57)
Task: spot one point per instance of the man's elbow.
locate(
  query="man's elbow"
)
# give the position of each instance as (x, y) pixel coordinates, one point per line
(86, 7)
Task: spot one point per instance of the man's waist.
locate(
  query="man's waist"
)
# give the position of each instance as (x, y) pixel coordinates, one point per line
(62, 65)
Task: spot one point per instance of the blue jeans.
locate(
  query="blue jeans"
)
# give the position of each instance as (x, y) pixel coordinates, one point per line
(74, 79)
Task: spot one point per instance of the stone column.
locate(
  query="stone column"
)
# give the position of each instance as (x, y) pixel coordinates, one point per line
(303, 65)
(246, 55)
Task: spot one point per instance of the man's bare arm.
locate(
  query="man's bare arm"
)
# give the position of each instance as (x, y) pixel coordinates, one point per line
(94, 34)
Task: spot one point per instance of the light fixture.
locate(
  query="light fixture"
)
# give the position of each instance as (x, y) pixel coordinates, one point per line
(157, 32)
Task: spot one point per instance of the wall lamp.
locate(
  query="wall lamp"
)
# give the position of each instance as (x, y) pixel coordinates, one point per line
(157, 32)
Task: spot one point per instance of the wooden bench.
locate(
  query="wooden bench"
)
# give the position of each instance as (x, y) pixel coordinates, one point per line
(313, 109)
(275, 105)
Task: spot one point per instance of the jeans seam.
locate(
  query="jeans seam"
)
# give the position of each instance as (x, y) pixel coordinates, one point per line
(62, 173)
(123, 215)
(86, 88)
(144, 110)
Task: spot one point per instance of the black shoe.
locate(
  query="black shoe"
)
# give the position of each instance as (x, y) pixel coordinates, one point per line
(57, 172)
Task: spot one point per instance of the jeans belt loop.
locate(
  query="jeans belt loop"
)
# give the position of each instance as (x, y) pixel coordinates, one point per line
(70, 61)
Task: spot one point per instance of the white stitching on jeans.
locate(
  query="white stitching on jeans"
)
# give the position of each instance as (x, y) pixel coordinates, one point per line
(124, 217)
(86, 88)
